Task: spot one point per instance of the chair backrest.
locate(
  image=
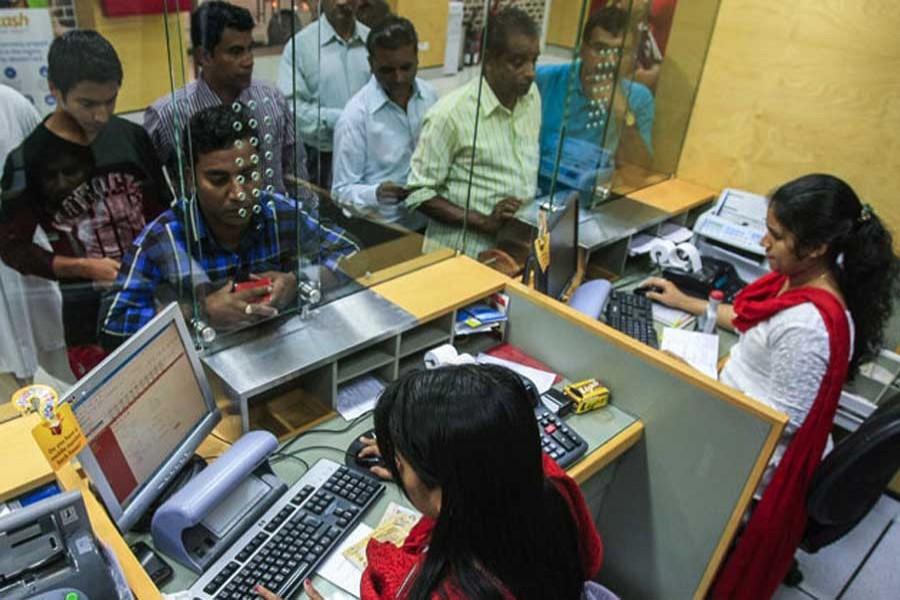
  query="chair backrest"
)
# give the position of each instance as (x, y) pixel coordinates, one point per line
(852, 478)
(595, 591)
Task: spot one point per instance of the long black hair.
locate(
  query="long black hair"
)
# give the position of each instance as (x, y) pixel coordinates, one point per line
(502, 527)
(822, 209)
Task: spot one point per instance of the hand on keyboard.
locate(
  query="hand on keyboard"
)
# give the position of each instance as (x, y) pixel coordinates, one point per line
(311, 592)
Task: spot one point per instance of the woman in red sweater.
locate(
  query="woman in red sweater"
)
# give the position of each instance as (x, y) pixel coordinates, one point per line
(500, 519)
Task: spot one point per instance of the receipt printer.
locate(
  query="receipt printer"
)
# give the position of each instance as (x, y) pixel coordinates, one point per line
(48, 551)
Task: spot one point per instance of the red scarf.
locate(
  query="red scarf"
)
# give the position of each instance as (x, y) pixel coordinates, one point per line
(766, 549)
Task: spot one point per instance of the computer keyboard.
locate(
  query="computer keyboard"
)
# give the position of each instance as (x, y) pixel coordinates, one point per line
(632, 315)
(558, 440)
(290, 540)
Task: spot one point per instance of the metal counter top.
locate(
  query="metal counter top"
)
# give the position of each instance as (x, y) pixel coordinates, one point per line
(282, 350)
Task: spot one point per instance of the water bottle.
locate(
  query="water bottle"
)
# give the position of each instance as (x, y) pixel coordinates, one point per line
(712, 311)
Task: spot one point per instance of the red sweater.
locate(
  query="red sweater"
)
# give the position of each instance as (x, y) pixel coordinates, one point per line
(391, 569)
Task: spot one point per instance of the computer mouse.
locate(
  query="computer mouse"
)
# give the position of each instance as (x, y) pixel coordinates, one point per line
(642, 291)
(362, 463)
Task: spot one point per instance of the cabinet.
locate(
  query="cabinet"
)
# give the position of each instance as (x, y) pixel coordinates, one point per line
(288, 379)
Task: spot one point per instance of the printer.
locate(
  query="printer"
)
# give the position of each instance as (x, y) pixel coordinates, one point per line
(732, 230)
(48, 551)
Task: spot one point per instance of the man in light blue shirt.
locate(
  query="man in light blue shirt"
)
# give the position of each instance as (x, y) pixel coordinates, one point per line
(592, 137)
(336, 46)
(377, 132)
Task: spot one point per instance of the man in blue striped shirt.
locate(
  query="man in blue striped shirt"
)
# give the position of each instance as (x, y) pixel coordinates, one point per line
(231, 233)
(222, 39)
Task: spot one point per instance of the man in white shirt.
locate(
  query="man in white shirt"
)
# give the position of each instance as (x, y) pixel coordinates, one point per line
(30, 307)
(335, 45)
(378, 130)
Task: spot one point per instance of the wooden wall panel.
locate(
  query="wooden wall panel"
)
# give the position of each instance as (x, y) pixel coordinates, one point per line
(430, 19)
(140, 42)
(796, 87)
(680, 73)
(562, 24)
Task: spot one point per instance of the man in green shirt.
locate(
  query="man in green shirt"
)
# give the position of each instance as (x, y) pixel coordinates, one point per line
(503, 159)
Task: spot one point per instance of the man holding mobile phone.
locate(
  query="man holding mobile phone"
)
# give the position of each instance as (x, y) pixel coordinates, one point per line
(234, 249)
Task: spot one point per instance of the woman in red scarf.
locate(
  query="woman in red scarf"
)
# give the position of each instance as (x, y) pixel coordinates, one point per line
(500, 519)
(803, 328)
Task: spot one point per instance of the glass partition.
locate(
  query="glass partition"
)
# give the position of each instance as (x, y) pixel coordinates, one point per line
(248, 158)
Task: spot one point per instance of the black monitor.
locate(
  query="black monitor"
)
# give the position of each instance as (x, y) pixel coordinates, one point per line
(144, 411)
(562, 221)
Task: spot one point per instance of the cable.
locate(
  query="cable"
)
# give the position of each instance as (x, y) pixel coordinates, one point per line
(276, 459)
(344, 429)
(293, 454)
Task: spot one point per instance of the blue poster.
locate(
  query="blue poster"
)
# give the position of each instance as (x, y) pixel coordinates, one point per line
(25, 36)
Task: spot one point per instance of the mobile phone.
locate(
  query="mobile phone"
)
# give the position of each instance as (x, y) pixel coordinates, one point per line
(254, 283)
(159, 570)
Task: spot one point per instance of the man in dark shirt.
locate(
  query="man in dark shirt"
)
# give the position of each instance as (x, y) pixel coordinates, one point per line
(89, 179)
(222, 37)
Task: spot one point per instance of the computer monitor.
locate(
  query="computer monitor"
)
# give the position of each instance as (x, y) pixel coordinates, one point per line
(144, 411)
(562, 221)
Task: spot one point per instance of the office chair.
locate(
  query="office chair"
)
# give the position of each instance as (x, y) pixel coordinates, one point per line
(850, 480)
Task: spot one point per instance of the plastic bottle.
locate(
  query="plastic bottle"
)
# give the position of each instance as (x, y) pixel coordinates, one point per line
(712, 311)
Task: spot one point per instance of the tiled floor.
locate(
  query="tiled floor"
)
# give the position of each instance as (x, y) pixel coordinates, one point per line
(863, 565)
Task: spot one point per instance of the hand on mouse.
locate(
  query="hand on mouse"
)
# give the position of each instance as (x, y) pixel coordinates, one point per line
(370, 448)
(668, 293)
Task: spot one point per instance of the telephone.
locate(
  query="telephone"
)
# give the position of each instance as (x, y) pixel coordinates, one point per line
(715, 274)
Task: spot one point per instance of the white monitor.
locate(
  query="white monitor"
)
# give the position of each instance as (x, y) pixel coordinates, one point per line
(144, 410)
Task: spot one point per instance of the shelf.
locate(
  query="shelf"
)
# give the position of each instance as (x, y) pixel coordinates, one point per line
(362, 362)
(477, 343)
(409, 363)
(425, 336)
(288, 414)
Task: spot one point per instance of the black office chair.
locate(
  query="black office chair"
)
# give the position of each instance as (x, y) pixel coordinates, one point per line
(850, 480)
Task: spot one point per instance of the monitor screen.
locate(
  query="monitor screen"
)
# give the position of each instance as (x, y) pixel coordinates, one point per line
(563, 225)
(144, 411)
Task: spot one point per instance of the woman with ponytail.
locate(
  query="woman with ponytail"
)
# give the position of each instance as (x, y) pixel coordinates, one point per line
(501, 520)
(804, 329)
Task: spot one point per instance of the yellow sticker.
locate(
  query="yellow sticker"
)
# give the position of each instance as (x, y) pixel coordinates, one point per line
(542, 243)
(60, 439)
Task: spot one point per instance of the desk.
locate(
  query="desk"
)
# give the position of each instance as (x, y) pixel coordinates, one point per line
(610, 433)
(610, 226)
(669, 507)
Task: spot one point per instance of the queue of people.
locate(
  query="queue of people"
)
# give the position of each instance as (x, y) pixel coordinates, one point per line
(90, 212)
(348, 115)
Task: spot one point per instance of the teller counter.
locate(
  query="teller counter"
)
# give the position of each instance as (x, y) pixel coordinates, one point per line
(669, 507)
(673, 459)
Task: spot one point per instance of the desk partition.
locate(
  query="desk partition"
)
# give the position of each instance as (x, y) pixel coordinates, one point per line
(677, 497)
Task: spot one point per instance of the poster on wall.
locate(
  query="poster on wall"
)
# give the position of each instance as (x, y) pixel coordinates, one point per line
(122, 8)
(25, 36)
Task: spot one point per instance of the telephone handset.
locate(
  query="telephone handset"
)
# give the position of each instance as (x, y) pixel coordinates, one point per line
(715, 274)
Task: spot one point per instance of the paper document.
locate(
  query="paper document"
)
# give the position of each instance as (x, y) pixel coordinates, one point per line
(541, 379)
(395, 525)
(671, 317)
(640, 244)
(675, 233)
(340, 571)
(358, 396)
(700, 350)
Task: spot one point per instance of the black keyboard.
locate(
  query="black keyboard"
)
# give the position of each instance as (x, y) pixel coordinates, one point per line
(290, 540)
(632, 315)
(558, 440)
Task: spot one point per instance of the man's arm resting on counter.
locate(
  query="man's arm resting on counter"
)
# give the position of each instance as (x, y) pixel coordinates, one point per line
(445, 211)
